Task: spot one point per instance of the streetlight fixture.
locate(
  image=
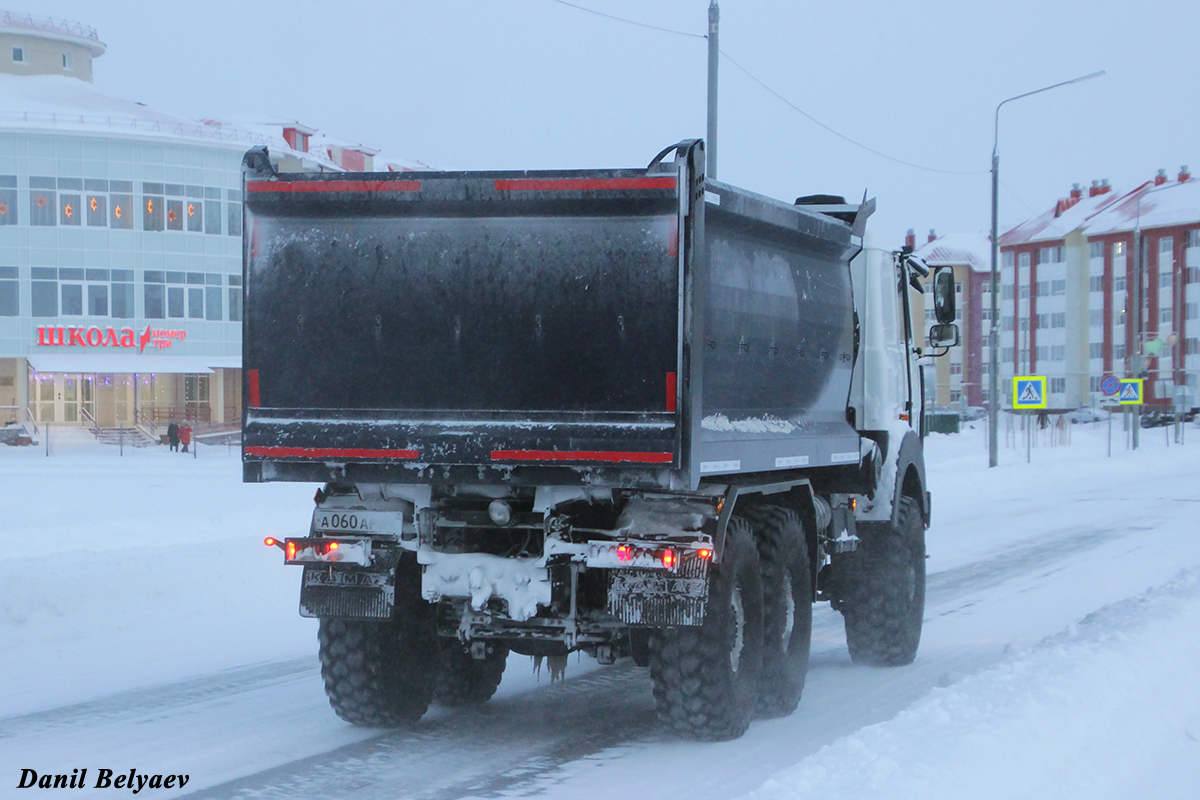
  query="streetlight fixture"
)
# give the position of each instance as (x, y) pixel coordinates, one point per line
(994, 337)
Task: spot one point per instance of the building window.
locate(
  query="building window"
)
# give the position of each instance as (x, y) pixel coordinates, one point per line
(1006, 354)
(1192, 346)
(1165, 280)
(1096, 350)
(1118, 248)
(43, 293)
(122, 293)
(955, 368)
(8, 199)
(1024, 260)
(235, 298)
(1096, 249)
(1006, 258)
(234, 228)
(1096, 317)
(1025, 292)
(1118, 351)
(1058, 352)
(1051, 255)
(1118, 283)
(174, 215)
(1006, 324)
(1193, 274)
(1058, 319)
(97, 300)
(1094, 383)
(67, 62)
(10, 292)
(1058, 385)
(1193, 238)
(121, 202)
(20, 55)
(1024, 324)
(212, 211)
(212, 297)
(175, 295)
(43, 201)
(72, 299)
(153, 215)
(1166, 244)
(1191, 310)
(1006, 292)
(1058, 288)
(1164, 315)
(1096, 283)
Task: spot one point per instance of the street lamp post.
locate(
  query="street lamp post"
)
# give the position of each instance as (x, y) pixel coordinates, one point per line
(994, 337)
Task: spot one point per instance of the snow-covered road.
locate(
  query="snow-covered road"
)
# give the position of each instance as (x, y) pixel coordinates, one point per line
(144, 629)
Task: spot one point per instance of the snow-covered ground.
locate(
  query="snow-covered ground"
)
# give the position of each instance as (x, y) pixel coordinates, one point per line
(143, 624)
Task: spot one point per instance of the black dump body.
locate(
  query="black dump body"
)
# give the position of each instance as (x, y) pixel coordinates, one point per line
(548, 328)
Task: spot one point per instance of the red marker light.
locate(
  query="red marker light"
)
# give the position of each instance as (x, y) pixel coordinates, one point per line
(668, 559)
(291, 550)
(332, 546)
(269, 541)
(625, 552)
(704, 552)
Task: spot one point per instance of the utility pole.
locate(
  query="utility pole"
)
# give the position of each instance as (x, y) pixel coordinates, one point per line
(1134, 359)
(714, 55)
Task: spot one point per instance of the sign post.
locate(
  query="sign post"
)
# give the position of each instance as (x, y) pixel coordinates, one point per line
(1029, 392)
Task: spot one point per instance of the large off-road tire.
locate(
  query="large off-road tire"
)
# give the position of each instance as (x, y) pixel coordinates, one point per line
(787, 608)
(882, 588)
(466, 681)
(706, 677)
(380, 674)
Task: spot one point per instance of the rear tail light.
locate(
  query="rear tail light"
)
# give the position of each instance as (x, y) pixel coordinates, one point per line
(668, 558)
(704, 553)
(290, 551)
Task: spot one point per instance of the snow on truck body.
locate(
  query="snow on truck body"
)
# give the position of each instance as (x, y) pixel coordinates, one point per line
(591, 410)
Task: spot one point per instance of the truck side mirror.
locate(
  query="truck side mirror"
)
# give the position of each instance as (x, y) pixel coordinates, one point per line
(943, 295)
(943, 334)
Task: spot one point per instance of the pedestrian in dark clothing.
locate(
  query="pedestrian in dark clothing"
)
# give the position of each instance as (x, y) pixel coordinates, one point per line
(185, 435)
(173, 436)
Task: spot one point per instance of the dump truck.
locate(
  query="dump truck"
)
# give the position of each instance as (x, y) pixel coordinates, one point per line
(631, 412)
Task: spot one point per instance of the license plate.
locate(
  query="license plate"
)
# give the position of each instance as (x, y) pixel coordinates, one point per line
(345, 521)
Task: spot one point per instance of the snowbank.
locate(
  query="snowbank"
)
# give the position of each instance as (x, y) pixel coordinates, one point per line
(1108, 709)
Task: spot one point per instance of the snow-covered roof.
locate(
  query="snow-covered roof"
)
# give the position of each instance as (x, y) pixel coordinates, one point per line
(970, 249)
(1060, 221)
(61, 104)
(1172, 203)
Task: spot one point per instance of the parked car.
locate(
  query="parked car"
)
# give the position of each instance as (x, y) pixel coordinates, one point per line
(1086, 414)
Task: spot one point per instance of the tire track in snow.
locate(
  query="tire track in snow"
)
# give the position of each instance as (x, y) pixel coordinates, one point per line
(524, 740)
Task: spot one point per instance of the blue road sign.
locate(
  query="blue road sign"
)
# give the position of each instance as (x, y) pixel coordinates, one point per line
(1029, 391)
(1131, 392)
(1110, 385)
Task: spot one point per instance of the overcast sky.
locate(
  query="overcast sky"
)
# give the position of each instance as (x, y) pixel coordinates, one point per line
(533, 84)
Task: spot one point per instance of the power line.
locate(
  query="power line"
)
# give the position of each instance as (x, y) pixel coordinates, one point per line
(630, 21)
(774, 93)
(840, 135)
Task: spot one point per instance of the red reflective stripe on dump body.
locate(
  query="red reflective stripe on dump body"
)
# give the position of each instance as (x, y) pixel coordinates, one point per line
(581, 184)
(333, 186)
(580, 455)
(252, 376)
(671, 392)
(328, 452)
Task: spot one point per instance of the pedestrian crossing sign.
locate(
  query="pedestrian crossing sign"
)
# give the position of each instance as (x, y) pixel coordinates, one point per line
(1029, 391)
(1131, 392)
